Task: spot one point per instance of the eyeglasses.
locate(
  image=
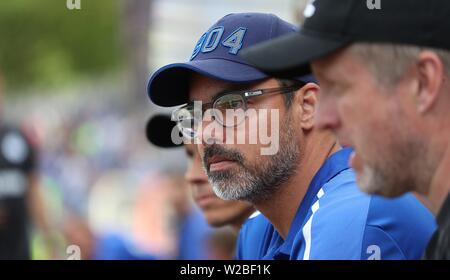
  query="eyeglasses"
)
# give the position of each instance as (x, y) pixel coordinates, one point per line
(234, 103)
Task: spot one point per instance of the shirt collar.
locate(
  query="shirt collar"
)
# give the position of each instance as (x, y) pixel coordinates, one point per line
(335, 164)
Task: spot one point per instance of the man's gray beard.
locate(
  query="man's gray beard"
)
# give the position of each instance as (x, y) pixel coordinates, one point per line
(407, 170)
(259, 181)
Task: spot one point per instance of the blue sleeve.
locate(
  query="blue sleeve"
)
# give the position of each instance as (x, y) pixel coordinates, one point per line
(400, 227)
(337, 227)
(334, 243)
(331, 237)
(254, 238)
(378, 245)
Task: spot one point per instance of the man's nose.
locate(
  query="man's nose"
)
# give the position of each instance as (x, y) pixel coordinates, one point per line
(195, 173)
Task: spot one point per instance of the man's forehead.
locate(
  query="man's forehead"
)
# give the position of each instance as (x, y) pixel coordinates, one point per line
(337, 65)
(202, 87)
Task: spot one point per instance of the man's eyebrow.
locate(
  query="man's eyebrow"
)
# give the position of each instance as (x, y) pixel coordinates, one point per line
(234, 87)
(231, 88)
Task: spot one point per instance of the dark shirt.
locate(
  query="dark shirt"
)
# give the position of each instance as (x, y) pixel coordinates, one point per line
(439, 246)
(16, 163)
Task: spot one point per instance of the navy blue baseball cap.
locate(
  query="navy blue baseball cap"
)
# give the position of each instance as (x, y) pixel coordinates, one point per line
(216, 56)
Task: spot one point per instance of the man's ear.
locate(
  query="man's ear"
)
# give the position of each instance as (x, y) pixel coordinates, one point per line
(430, 71)
(307, 99)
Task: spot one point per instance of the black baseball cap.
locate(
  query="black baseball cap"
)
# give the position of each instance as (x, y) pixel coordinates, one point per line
(159, 131)
(331, 25)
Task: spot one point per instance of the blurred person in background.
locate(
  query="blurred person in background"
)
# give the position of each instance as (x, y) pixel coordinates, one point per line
(92, 246)
(129, 216)
(166, 222)
(20, 197)
(222, 243)
(216, 211)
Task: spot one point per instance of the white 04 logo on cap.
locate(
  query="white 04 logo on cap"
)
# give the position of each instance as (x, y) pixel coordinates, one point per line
(310, 9)
(14, 148)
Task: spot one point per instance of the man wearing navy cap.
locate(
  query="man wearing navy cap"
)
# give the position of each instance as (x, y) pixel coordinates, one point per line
(385, 79)
(299, 180)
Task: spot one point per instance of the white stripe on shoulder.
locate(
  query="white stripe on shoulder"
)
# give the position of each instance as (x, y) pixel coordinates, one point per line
(307, 228)
(320, 193)
(254, 215)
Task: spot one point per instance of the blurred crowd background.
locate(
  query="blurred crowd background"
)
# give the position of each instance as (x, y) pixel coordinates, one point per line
(75, 82)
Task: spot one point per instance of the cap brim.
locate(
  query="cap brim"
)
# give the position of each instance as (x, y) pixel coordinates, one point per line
(290, 55)
(169, 86)
(159, 130)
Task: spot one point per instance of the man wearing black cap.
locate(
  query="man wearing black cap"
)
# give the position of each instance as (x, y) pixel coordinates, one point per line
(310, 204)
(385, 79)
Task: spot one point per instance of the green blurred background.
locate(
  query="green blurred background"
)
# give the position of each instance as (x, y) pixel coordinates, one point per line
(45, 45)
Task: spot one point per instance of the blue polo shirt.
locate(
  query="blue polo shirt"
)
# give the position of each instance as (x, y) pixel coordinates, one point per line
(336, 220)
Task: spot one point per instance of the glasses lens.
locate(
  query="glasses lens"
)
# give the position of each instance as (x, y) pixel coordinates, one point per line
(229, 110)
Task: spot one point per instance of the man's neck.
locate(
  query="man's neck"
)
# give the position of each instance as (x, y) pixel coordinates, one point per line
(282, 206)
(440, 184)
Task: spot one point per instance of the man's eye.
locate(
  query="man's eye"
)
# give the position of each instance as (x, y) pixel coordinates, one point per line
(235, 104)
(190, 154)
